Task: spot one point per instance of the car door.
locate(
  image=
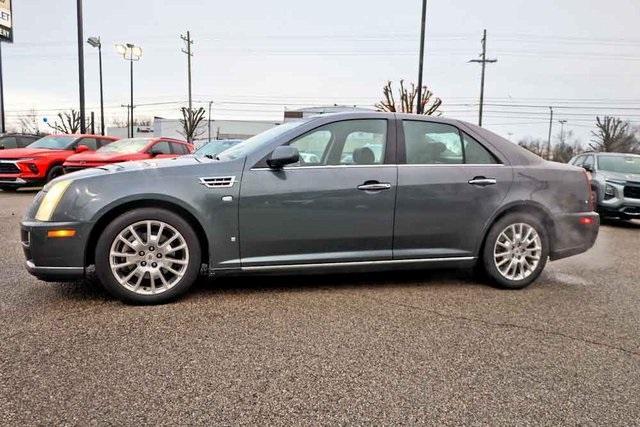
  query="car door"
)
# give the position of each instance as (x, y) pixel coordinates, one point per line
(335, 205)
(449, 186)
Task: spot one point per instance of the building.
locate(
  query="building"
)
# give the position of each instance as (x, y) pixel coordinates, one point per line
(303, 113)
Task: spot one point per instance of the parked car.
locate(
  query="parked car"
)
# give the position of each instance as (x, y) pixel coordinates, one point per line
(41, 161)
(215, 147)
(126, 150)
(444, 193)
(615, 182)
(17, 140)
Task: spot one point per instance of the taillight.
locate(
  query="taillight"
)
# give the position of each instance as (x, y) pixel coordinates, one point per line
(591, 201)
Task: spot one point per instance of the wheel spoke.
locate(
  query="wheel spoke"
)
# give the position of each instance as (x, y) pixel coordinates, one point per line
(135, 235)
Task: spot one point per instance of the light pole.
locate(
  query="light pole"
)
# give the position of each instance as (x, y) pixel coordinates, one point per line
(421, 59)
(83, 123)
(131, 53)
(95, 42)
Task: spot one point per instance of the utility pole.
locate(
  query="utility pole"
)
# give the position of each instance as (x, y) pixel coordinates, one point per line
(128, 120)
(421, 59)
(483, 61)
(189, 42)
(562, 123)
(550, 129)
(210, 104)
(83, 123)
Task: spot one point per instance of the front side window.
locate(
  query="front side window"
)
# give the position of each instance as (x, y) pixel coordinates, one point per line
(430, 143)
(578, 161)
(161, 147)
(348, 142)
(589, 162)
(89, 142)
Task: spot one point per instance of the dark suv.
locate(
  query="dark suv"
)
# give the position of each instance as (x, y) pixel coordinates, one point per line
(615, 182)
(17, 140)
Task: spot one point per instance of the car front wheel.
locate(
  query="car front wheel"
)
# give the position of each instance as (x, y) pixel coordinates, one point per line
(148, 256)
(516, 251)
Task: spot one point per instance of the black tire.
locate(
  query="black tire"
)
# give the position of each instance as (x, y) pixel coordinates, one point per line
(54, 172)
(489, 264)
(110, 233)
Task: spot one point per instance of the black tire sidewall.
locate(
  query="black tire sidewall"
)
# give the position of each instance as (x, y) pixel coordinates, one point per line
(487, 256)
(103, 248)
(51, 173)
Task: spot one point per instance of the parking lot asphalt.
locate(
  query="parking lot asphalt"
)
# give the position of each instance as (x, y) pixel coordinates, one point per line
(432, 347)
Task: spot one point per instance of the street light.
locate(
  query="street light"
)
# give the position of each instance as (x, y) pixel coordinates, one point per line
(131, 53)
(95, 42)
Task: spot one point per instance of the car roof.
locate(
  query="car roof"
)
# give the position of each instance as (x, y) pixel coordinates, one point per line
(604, 153)
(83, 135)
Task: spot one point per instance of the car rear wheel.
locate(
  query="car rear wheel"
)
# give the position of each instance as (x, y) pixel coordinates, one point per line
(516, 251)
(55, 172)
(148, 256)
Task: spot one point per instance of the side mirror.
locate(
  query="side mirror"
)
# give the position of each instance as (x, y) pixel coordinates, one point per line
(81, 148)
(155, 153)
(588, 168)
(282, 156)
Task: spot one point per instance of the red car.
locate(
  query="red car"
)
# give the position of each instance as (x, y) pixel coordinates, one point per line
(127, 150)
(41, 161)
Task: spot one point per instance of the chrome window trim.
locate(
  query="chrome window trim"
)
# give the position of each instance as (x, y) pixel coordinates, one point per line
(325, 167)
(451, 164)
(354, 263)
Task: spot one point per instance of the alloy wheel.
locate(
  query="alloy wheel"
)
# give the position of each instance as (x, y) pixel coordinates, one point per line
(517, 251)
(149, 257)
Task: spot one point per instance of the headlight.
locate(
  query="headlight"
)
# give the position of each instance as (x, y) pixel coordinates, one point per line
(51, 200)
(609, 192)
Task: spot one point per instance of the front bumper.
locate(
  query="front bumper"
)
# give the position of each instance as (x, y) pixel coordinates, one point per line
(575, 233)
(54, 259)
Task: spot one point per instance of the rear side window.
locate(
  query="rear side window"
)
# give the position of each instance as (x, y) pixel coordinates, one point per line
(475, 153)
(103, 142)
(430, 143)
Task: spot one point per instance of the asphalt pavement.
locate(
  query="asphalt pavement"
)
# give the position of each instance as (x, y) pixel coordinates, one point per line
(433, 347)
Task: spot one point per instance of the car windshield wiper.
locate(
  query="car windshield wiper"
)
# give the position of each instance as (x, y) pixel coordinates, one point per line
(212, 157)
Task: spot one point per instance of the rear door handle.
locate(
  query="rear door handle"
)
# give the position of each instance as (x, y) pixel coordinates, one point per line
(374, 186)
(481, 181)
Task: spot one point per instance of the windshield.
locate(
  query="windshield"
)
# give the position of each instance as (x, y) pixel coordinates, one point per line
(60, 142)
(620, 164)
(125, 146)
(253, 143)
(216, 147)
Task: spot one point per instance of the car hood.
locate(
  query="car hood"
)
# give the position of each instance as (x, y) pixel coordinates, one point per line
(21, 153)
(140, 166)
(99, 157)
(617, 176)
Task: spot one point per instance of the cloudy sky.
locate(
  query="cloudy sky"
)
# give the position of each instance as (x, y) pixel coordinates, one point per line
(256, 58)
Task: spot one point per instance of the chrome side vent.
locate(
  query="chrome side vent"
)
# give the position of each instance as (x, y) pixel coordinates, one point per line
(218, 181)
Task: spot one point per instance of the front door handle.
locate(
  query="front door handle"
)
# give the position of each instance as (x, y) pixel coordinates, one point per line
(374, 186)
(481, 181)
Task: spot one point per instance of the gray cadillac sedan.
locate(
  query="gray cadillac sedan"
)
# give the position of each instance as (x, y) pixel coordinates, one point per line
(340, 192)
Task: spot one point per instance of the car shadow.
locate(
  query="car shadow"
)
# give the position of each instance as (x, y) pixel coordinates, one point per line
(619, 223)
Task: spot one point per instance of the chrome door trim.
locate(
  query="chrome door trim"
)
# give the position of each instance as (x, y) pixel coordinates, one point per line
(293, 168)
(354, 263)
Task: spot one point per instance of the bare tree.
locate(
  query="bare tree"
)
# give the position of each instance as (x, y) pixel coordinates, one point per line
(536, 146)
(566, 147)
(613, 135)
(68, 122)
(407, 100)
(190, 122)
(28, 122)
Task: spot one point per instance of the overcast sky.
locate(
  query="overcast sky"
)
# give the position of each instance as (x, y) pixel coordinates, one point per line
(253, 58)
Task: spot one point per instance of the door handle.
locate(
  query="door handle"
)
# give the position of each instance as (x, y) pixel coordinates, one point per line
(481, 181)
(374, 186)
